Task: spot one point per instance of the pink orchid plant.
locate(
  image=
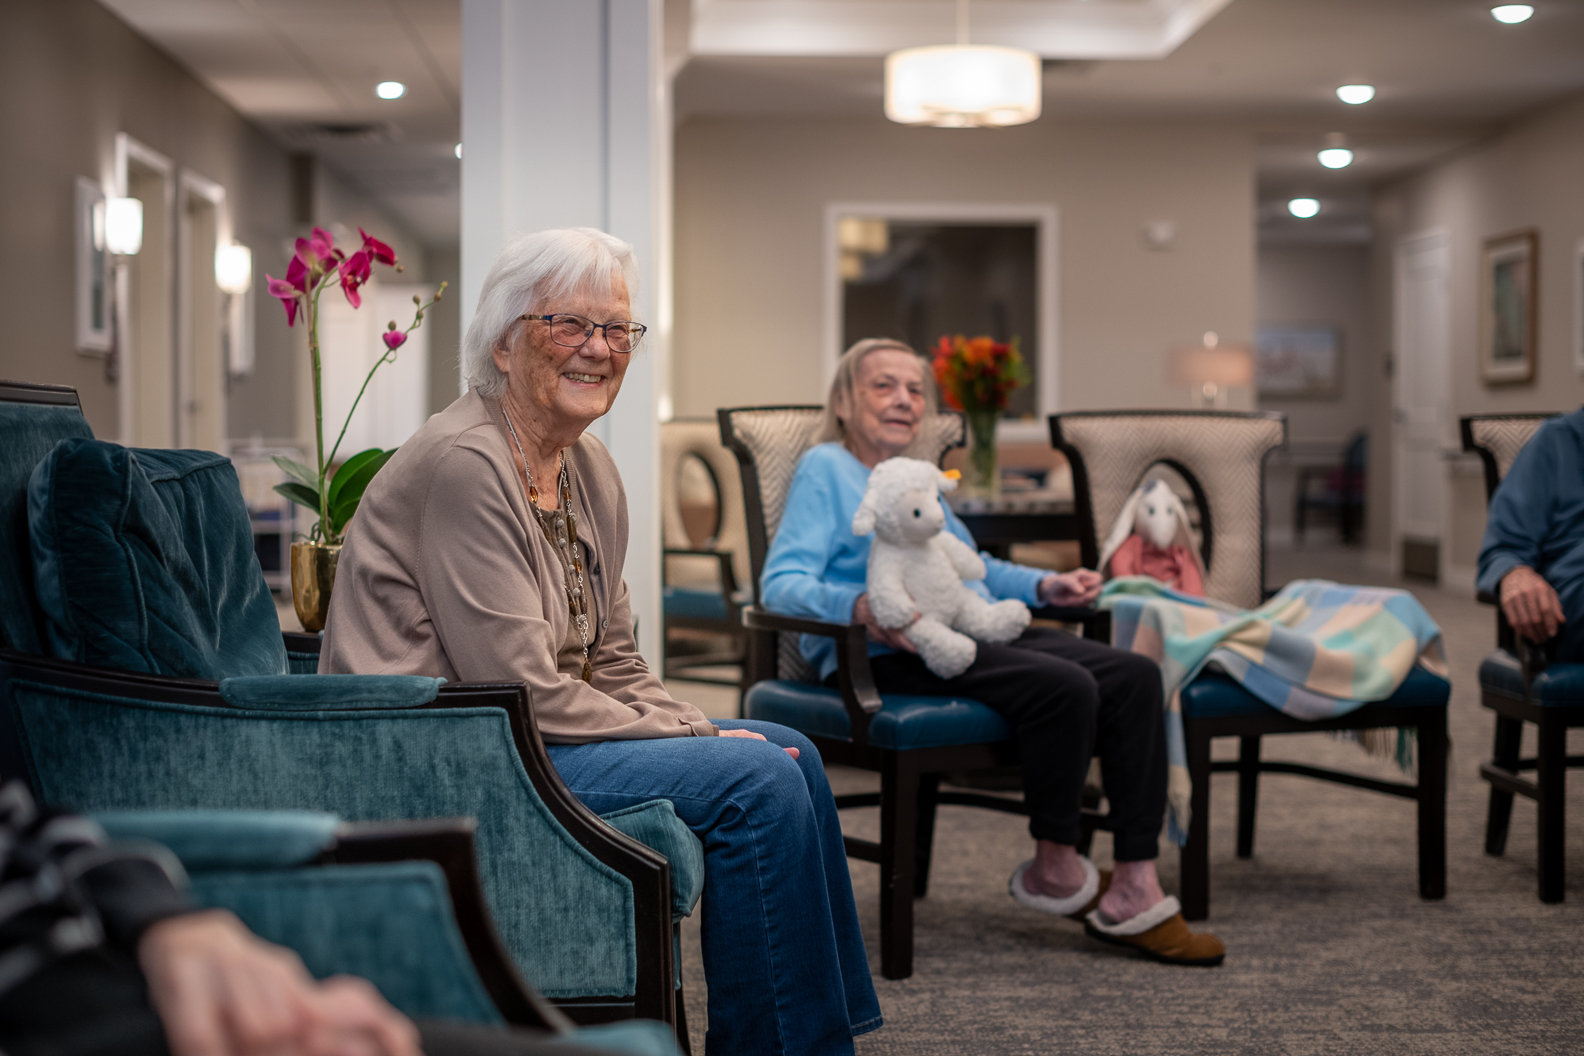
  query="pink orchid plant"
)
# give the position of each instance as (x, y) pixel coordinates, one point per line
(334, 493)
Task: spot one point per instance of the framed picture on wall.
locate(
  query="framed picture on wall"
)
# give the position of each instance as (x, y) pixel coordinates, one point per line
(1508, 324)
(93, 269)
(1298, 361)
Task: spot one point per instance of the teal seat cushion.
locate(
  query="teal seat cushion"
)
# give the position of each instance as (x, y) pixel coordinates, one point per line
(634, 1037)
(694, 602)
(143, 561)
(1558, 686)
(209, 840)
(656, 825)
(27, 433)
(1213, 695)
(903, 721)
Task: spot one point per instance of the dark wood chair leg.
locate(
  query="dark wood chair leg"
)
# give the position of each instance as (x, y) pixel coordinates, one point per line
(1550, 776)
(899, 795)
(1248, 793)
(1509, 736)
(684, 1042)
(1432, 734)
(929, 786)
(1195, 854)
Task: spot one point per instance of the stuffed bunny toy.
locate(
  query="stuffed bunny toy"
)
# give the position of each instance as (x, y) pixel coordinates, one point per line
(917, 567)
(1151, 538)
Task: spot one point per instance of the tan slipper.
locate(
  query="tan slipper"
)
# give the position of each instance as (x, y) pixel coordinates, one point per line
(1094, 903)
(1161, 933)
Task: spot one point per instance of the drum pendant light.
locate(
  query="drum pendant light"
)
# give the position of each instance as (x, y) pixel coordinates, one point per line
(962, 85)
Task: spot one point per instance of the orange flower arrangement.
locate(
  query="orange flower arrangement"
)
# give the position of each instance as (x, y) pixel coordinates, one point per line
(978, 377)
(978, 374)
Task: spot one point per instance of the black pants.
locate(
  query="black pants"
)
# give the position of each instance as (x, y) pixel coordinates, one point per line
(1068, 699)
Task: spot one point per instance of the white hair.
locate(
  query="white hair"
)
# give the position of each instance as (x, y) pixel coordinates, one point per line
(531, 272)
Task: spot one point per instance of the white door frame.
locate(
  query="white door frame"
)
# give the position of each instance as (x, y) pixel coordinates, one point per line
(190, 183)
(1047, 349)
(1435, 239)
(128, 150)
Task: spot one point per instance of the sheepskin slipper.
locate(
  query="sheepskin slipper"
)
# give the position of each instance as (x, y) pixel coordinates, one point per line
(1161, 933)
(1073, 905)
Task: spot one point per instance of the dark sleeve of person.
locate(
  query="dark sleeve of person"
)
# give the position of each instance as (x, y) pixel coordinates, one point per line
(132, 893)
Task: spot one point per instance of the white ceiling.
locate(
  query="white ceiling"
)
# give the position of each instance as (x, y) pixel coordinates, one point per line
(1447, 73)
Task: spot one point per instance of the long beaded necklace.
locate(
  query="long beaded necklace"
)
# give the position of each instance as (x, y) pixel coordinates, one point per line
(571, 570)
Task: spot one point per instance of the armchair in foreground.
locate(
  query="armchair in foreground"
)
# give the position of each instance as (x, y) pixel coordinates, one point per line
(175, 696)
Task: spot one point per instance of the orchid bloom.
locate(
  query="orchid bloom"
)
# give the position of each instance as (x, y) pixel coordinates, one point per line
(287, 293)
(320, 245)
(376, 249)
(355, 272)
(394, 338)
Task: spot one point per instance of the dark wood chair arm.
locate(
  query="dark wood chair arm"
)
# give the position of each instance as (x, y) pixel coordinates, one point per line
(728, 575)
(1096, 622)
(853, 676)
(448, 842)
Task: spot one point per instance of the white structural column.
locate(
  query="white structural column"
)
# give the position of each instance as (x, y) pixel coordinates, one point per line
(563, 125)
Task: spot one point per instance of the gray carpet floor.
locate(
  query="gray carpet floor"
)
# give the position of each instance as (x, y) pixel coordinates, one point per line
(1330, 949)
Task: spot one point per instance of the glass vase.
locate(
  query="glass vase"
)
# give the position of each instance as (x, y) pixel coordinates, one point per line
(982, 479)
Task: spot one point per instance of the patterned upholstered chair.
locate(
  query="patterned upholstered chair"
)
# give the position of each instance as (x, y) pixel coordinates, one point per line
(1520, 685)
(586, 908)
(1221, 454)
(911, 741)
(703, 563)
(396, 903)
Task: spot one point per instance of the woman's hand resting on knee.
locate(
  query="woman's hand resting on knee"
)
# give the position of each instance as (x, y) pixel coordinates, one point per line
(793, 752)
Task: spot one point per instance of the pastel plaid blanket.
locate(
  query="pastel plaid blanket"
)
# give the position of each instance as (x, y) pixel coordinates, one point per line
(1314, 651)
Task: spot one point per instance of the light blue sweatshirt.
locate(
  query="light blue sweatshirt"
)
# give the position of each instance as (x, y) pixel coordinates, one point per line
(817, 567)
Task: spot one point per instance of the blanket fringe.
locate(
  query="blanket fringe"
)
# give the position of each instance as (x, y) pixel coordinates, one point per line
(1398, 744)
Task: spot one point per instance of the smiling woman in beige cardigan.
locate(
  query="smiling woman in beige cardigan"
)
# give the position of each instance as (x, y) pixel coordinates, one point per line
(490, 548)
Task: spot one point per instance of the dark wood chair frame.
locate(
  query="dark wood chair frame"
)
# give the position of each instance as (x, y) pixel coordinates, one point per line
(1429, 792)
(1350, 496)
(909, 779)
(658, 995)
(1550, 763)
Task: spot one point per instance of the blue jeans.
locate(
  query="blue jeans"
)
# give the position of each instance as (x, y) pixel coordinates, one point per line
(783, 955)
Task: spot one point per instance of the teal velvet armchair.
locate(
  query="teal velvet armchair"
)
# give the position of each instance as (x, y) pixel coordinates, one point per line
(396, 903)
(143, 668)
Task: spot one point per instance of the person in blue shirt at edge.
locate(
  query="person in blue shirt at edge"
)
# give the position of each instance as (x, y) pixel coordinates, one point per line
(1532, 557)
(1067, 698)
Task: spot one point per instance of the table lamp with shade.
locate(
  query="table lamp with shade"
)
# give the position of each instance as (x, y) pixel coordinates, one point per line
(1211, 367)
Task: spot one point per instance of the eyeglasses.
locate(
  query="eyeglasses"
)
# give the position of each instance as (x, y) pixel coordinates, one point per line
(574, 331)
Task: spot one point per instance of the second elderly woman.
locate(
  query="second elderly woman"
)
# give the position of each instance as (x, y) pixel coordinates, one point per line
(490, 549)
(1066, 698)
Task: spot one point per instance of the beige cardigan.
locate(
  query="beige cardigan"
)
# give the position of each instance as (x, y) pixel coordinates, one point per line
(445, 572)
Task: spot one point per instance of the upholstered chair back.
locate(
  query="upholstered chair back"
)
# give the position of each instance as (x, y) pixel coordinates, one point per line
(33, 419)
(768, 442)
(1497, 439)
(683, 438)
(1221, 454)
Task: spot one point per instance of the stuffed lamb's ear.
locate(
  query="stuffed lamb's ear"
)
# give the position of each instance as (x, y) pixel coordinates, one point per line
(1120, 530)
(864, 519)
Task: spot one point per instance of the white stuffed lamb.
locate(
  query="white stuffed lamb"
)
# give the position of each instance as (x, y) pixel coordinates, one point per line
(916, 567)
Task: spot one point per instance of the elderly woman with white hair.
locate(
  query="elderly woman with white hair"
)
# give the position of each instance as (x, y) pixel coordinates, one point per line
(490, 548)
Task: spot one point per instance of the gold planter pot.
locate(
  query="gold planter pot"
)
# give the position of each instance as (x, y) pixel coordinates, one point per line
(313, 570)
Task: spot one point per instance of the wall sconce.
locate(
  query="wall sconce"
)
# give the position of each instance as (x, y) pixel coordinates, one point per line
(1210, 368)
(234, 276)
(234, 268)
(123, 226)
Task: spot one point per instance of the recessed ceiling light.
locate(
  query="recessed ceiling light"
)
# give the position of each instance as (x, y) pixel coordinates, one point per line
(1303, 208)
(1354, 94)
(390, 89)
(1336, 157)
(458, 151)
(1512, 13)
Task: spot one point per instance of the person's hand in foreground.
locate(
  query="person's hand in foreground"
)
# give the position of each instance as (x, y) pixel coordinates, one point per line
(1077, 588)
(793, 752)
(1531, 605)
(222, 991)
(891, 636)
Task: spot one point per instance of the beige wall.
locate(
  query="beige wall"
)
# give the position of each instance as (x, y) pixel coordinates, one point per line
(77, 76)
(1529, 176)
(750, 199)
